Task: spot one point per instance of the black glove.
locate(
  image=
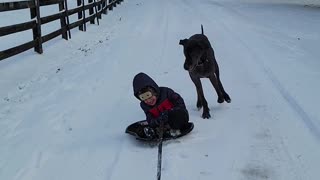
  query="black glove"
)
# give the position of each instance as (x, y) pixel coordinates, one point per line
(164, 116)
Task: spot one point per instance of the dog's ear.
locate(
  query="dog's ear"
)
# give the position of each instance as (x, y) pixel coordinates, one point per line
(183, 42)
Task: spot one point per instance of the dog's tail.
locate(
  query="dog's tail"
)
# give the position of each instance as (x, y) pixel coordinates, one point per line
(201, 29)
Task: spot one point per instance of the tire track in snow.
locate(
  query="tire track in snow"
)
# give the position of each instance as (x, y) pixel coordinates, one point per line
(115, 161)
(264, 172)
(304, 116)
(255, 170)
(291, 101)
(165, 40)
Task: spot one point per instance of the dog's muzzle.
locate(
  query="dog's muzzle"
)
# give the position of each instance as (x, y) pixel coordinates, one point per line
(190, 67)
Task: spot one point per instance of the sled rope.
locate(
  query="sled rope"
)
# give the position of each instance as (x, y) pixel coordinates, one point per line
(160, 151)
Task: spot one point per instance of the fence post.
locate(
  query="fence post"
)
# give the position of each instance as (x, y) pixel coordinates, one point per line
(96, 10)
(91, 11)
(79, 3)
(63, 21)
(84, 15)
(99, 9)
(104, 9)
(110, 7)
(36, 31)
(114, 4)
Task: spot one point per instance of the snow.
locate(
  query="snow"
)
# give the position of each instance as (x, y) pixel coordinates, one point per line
(63, 113)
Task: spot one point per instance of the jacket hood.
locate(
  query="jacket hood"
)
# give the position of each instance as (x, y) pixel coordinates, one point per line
(141, 81)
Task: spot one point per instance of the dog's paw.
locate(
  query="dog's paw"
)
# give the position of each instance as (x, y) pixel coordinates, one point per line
(206, 115)
(220, 100)
(199, 105)
(227, 98)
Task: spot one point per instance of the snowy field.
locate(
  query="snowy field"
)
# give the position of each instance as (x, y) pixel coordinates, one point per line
(63, 113)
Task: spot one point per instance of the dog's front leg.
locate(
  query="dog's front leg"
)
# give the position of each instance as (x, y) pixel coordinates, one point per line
(201, 102)
(215, 82)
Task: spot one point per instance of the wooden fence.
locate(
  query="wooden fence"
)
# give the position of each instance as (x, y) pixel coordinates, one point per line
(95, 8)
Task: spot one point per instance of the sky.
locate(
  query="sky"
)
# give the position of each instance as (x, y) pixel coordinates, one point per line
(63, 113)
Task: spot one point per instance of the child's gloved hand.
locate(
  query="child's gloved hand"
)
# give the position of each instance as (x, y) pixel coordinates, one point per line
(164, 116)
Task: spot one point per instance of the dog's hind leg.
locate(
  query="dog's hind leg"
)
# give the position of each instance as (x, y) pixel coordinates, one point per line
(201, 101)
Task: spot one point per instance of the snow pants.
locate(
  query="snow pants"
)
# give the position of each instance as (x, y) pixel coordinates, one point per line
(178, 118)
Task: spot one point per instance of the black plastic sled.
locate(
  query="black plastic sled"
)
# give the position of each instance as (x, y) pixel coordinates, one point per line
(136, 130)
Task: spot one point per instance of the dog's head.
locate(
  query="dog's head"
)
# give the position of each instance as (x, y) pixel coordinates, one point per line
(193, 51)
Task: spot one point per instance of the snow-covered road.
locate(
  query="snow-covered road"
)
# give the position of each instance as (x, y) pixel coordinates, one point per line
(63, 113)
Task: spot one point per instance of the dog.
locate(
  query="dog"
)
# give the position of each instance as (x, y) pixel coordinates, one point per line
(200, 62)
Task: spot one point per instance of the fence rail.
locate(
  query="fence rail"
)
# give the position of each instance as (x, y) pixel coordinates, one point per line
(95, 8)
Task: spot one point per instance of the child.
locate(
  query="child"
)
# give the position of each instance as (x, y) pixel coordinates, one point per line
(160, 104)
